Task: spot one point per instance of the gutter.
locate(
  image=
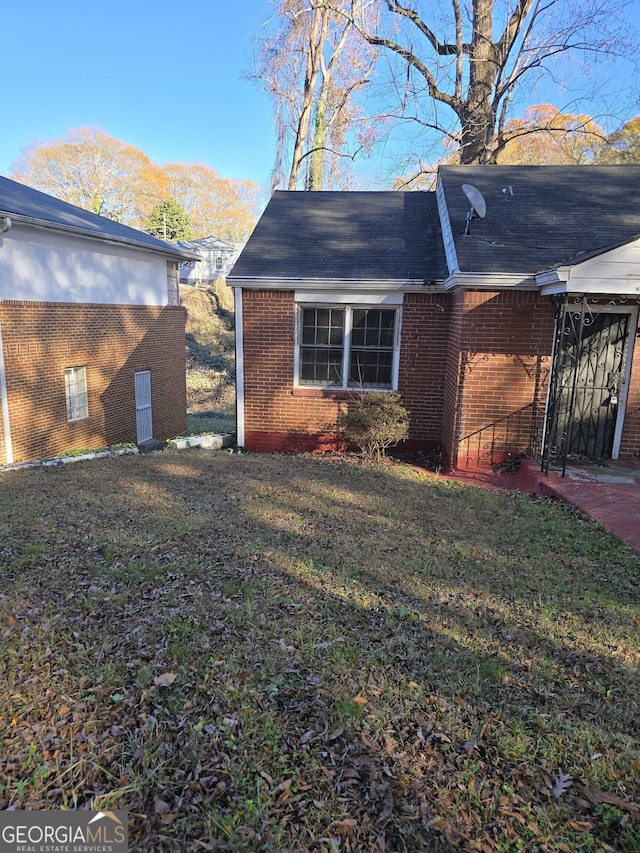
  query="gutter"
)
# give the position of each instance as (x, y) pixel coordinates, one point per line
(59, 228)
(408, 284)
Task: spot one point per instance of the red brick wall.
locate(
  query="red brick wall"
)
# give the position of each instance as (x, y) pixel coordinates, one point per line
(423, 360)
(279, 417)
(40, 340)
(500, 355)
(630, 445)
(472, 364)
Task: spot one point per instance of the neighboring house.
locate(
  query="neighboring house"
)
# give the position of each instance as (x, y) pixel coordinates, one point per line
(504, 334)
(215, 259)
(91, 330)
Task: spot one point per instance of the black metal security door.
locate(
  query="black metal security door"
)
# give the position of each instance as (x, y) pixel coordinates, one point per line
(587, 373)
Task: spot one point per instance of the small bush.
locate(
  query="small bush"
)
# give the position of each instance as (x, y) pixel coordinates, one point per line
(374, 422)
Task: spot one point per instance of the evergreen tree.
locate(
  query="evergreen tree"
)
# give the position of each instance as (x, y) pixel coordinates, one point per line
(168, 221)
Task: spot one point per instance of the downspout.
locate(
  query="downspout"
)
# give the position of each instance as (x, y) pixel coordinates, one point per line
(4, 405)
(237, 291)
(5, 225)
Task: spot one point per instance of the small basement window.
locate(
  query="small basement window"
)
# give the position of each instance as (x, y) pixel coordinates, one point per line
(75, 379)
(347, 347)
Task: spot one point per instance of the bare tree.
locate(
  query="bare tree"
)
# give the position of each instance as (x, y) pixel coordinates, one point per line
(459, 63)
(313, 66)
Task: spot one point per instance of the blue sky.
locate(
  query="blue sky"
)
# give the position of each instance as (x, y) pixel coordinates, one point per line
(167, 77)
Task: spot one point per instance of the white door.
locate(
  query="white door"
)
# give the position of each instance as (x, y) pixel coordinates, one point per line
(144, 425)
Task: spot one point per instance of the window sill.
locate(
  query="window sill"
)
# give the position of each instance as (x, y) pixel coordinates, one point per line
(336, 393)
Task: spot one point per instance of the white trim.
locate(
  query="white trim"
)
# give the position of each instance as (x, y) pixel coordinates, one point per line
(6, 424)
(624, 391)
(490, 281)
(349, 298)
(408, 285)
(346, 347)
(237, 292)
(448, 240)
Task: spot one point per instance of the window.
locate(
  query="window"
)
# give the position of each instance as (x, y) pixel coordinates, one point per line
(348, 347)
(173, 293)
(219, 262)
(75, 380)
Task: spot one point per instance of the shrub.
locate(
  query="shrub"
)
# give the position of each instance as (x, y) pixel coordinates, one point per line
(374, 422)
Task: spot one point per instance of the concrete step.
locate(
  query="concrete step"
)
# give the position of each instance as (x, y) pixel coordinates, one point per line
(150, 445)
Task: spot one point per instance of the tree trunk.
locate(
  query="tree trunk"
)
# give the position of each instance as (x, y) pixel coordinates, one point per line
(317, 36)
(476, 114)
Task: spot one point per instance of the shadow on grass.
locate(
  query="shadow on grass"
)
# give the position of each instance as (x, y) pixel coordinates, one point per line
(363, 657)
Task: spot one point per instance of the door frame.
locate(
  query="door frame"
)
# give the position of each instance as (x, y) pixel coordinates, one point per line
(592, 304)
(140, 407)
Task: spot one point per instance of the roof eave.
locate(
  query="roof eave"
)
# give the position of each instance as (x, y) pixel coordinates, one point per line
(324, 284)
(490, 281)
(33, 222)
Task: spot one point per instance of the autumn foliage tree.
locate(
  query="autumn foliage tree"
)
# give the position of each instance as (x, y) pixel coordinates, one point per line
(546, 136)
(102, 174)
(95, 171)
(225, 207)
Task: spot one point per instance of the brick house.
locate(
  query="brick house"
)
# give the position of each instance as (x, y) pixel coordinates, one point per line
(505, 333)
(91, 332)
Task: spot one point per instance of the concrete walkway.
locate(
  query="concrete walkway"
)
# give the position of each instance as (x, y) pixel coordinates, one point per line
(609, 492)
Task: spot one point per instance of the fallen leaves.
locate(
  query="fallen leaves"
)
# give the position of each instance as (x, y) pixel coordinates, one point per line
(166, 679)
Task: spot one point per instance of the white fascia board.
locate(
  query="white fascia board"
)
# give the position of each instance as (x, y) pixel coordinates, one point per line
(348, 297)
(328, 284)
(448, 240)
(102, 238)
(554, 277)
(490, 281)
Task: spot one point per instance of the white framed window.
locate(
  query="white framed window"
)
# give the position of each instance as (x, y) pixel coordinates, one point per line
(75, 381)
(347, 346)
(173, 293)
(219, 262)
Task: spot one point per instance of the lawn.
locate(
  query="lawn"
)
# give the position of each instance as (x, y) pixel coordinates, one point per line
(256, 652)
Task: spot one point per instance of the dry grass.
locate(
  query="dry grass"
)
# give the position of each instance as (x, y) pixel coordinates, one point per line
(210, 353)
(299, 653)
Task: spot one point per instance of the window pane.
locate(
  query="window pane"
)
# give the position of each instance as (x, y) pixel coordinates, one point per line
(370, 368)
(75, 381)
(321, 365)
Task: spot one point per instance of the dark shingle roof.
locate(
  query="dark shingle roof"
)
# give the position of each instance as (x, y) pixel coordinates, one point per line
(557, 215)
(346, 236)
(24, 204)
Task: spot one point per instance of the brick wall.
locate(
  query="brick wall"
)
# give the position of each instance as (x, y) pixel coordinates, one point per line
(630, 444)
(423, 360)
(474, 368)
(499, 360)
(281, 417)
(40, 340)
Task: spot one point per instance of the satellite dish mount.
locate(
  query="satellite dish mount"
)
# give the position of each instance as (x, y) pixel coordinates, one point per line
(478, 205)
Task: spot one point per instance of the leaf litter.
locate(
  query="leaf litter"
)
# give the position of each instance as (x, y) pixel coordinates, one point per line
(298, 653)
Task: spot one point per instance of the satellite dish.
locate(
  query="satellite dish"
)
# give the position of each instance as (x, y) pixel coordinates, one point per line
(478, 205)
(476, 199)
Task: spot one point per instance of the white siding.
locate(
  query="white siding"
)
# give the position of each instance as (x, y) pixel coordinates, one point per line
(614, 272)
(44, 266)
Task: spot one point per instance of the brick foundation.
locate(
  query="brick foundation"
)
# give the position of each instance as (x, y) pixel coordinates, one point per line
(113, 342)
